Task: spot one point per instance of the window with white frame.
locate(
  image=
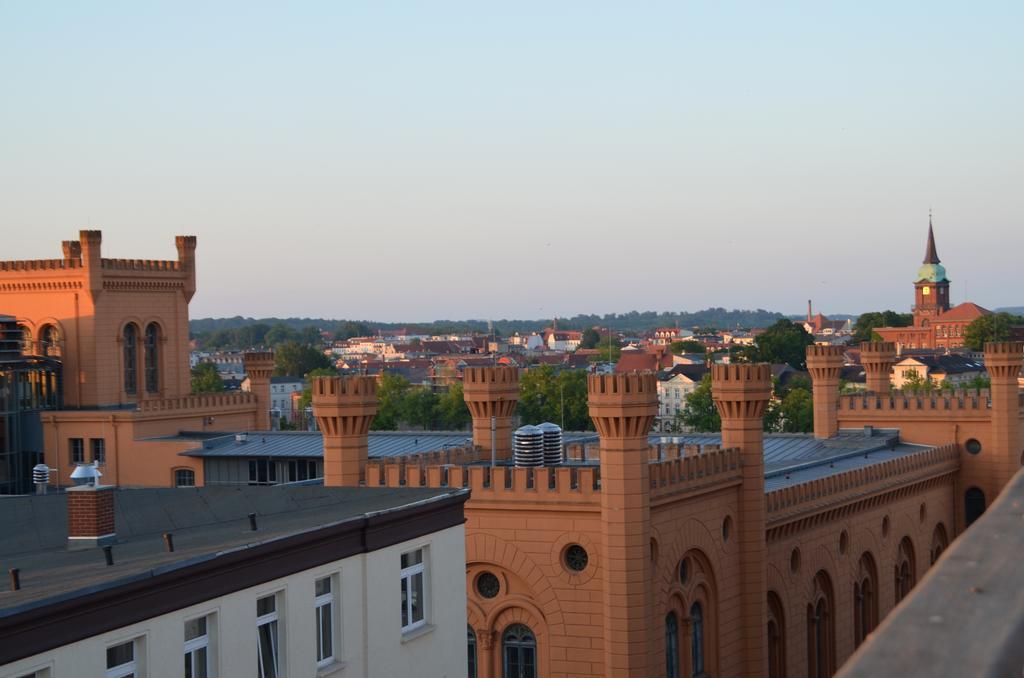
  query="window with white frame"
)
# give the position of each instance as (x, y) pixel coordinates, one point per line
(324, 605)
(413, 591)
(197, 648)
(267, 626)
(122, 661)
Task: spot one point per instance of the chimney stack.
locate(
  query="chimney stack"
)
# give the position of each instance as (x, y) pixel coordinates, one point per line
(90, 516)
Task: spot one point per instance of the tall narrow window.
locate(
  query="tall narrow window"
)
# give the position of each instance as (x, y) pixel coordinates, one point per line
(671, 646)
(324, 604)
(197, 649)
(130, 339)
(471, 651)
(865, 599)
(904, 569)
(697, 639)
(121, 661)
(152, 358)
(49, 341)
(266, 625)
(820, 630)
(519, 649)
(76, 450)
(776, 637)
(413, 591)
(99, 450)
(974, 505)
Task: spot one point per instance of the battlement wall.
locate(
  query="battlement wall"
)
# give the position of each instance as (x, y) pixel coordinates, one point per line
(204, 401)
(695, 469)
(141, 265)
(815, 496)
(40, 265)
(936, 404)
(557, 485)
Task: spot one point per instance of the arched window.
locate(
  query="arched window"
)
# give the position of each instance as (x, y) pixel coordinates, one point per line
(130, 339)
(152, 358)
(519, 648)
(776, 637)
(671, 646)
(26, 340)
(865, 599)
(820, 629)
(49, 341)
(904, 569)
(974, 505)
(939, 542)
(697, 639)
(184, 477)
(471, 650)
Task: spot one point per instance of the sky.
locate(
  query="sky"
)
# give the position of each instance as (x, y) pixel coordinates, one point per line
(408, 161)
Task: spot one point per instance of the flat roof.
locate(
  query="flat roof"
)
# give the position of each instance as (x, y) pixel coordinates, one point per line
(207, 523)
(310, 444)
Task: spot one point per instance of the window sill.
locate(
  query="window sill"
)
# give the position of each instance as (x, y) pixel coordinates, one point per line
(412, 635)
(331, 669)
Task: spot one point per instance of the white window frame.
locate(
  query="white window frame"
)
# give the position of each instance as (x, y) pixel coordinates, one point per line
(328, 600)
(128, 668)
(408, 576)
(269, 618)
(200, 643)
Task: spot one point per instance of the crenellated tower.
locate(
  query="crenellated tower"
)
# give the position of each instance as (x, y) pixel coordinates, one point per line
(877, 359)
(259, 367)
(492, 392)
(825, 363)
(1003, 361)
(344, 408)
(186, 245)
(741, 393)
(623, 407)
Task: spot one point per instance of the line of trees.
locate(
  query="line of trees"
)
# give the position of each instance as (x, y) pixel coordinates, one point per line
(791, 409)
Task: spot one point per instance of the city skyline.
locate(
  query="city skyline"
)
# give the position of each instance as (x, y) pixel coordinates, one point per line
(460, 162)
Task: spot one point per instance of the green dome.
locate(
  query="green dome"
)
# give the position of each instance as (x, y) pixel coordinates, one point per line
(932, 273)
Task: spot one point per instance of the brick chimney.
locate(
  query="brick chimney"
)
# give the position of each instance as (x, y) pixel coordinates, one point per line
(90, 516)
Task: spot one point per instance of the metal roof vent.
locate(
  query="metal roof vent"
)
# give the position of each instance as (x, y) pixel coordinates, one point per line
(86, 474)
(528, 446)
(241, 438)
(552, 443)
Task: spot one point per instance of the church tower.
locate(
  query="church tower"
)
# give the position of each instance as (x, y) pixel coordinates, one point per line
(931, 290)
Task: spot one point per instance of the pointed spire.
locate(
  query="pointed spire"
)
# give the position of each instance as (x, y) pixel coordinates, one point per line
(930, 255)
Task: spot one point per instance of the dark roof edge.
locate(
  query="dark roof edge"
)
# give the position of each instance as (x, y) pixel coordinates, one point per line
(47, 624)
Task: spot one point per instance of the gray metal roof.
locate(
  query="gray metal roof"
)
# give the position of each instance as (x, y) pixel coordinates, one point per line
(789, 458)
(310, 444)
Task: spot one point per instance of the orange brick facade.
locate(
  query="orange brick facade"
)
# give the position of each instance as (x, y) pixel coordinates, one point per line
(120, 328)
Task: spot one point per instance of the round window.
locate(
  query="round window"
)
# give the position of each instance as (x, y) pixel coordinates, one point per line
(576, 558)
(487, 585)
(973, 446)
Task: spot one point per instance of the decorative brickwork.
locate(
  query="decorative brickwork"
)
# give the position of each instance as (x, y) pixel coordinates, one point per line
(344, 408)
(825, 364)
(492, 392)
(877, 359)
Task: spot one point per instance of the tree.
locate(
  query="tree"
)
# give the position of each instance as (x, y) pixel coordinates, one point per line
(390, 393)
(700, 413)
(864, 328)
(351, 328)
(294, 359)
(280, 333)
(796, 411)
(686, 346)
(205, 379)
(452, 413)
(783, 342)
(419, 408)
(591, 338)
(915, 383)
(559, 397)
(992, 327)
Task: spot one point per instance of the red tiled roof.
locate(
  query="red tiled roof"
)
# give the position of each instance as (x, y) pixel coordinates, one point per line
(966, 311)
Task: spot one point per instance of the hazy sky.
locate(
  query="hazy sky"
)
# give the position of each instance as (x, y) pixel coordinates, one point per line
(420, 160)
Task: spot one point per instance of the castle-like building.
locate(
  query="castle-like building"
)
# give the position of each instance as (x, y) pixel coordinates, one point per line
(731, 554)
(936, 324)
